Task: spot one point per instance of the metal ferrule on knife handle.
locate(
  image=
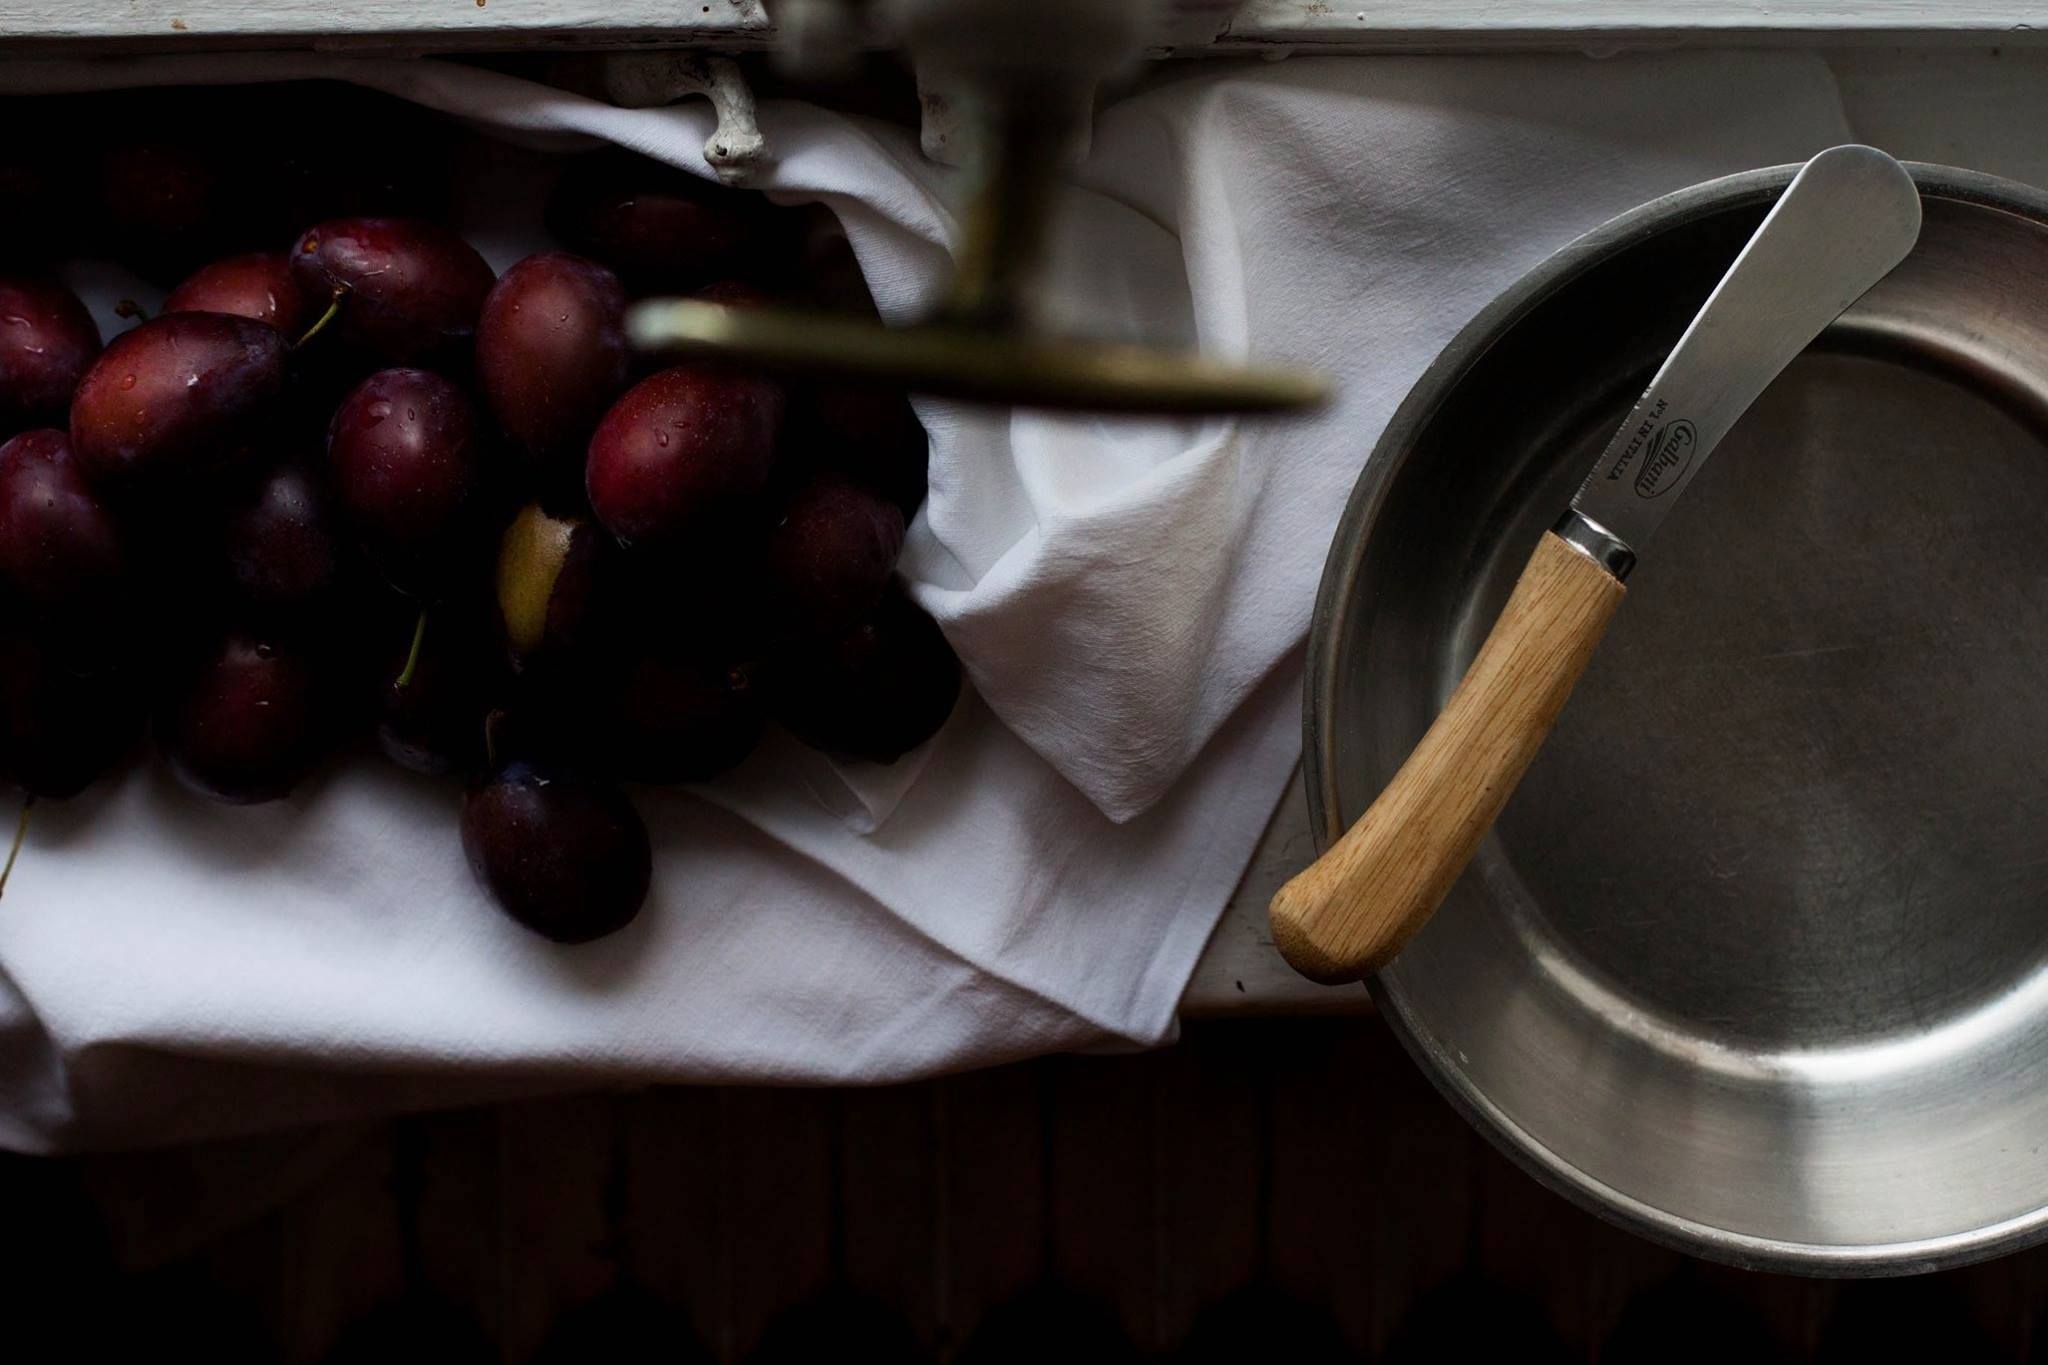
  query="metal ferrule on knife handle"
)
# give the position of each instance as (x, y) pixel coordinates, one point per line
(1596, 543)
(1848, 217)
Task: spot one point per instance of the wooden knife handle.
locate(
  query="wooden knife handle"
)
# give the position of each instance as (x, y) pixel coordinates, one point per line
(1354, 908)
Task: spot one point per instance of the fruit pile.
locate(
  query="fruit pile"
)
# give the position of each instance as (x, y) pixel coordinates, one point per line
(349, 483)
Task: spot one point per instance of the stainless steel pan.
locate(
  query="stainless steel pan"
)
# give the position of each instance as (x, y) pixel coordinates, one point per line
(1756, 961)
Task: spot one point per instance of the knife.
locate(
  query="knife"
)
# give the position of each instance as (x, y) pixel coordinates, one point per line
(1848, 217)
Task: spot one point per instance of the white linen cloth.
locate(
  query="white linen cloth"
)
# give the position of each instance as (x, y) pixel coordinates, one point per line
(1128, 600)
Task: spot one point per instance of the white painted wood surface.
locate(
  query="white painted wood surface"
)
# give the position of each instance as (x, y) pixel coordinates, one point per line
(436, 25)
(1465, 24)
(1260, 25)
(1241, 972)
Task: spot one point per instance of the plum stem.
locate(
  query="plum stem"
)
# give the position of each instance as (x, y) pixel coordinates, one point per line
(320, 323)
(491, 721)
(412, 656)
(28, 803)
(129, 308)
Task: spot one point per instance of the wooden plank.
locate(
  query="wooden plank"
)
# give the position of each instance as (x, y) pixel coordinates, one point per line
(1713, 1322)
(418, 1319)
(1793, 1309)
(990, 1127)
(190, 1301)
(2028, 1272)
(1273, 1183)
(775, 1211)
(1463, 25)
(1584, 1271)
(1209, 1108)
(1373, 1183)
(2004, 1297)
(555, 1160)
(1359, 25)
(672, 1238)
(1101, 1195)
(55, 1260)
(1921, 1317)
(438, 25)
(452, 1205)
(330, 1256)
(160, 1204)
(891, 1200)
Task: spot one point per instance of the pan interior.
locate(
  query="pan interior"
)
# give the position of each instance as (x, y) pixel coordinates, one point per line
(1757, 957)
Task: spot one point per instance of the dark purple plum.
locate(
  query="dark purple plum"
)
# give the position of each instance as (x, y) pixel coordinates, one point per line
(165, 204)
(669, 720)
(178, 401)
(551, 357)
(870, 435)
(875, 692)
(683, 455)
(284, 550)
(660, 228)
(830, 555)
(249, 721)
(47, 342)
(431, 719)
(61, 551)
(61, 731)
(564, 855)
(412, 290)
(408, 470)
(257, 285)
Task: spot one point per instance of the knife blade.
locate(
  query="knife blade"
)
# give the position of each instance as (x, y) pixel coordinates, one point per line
(1848, 217)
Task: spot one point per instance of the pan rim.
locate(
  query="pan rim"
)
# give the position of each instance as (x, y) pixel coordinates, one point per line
(1355, 526)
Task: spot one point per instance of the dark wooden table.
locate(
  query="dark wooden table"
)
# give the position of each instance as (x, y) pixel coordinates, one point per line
(1264, 1190)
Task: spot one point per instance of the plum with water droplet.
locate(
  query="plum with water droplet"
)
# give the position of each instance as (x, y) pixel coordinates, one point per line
(62, 557)
(177, 402)
(565, 855)
(408, 470)
(411, 290)
(551, 357)
(257, 285)
(249, 720)
(47, 342)
(683, 456)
